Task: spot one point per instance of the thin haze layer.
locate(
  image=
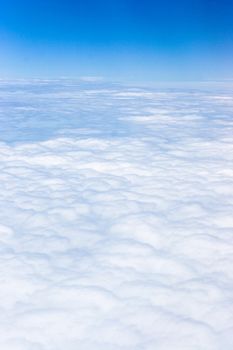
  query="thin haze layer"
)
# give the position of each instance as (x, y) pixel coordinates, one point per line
(116, 217)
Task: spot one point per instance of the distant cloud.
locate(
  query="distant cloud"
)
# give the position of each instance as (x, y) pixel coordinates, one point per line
(92, 78)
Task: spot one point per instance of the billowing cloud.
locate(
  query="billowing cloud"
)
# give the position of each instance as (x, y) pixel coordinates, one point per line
(116, 217)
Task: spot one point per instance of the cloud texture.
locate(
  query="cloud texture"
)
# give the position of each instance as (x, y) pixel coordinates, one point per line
(116, 223)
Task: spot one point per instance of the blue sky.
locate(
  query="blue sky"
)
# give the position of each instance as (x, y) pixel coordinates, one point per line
(118, 39)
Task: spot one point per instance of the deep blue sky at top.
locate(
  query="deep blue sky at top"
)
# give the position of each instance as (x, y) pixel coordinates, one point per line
(120, 39)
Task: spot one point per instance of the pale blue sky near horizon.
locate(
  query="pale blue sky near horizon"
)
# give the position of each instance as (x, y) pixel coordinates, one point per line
(120, 40)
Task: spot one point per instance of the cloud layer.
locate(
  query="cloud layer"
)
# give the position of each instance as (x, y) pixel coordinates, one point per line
(116, 217)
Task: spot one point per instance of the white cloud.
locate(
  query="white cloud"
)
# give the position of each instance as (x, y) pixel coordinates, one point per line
(120, 239)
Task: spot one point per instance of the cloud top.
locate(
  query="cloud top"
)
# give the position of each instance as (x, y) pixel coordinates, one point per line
(118, 236)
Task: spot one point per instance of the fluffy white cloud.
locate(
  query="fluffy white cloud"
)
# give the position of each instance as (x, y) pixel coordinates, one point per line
(116, 217)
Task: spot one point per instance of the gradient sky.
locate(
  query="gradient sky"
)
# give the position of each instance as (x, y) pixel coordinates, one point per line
(140, 40)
